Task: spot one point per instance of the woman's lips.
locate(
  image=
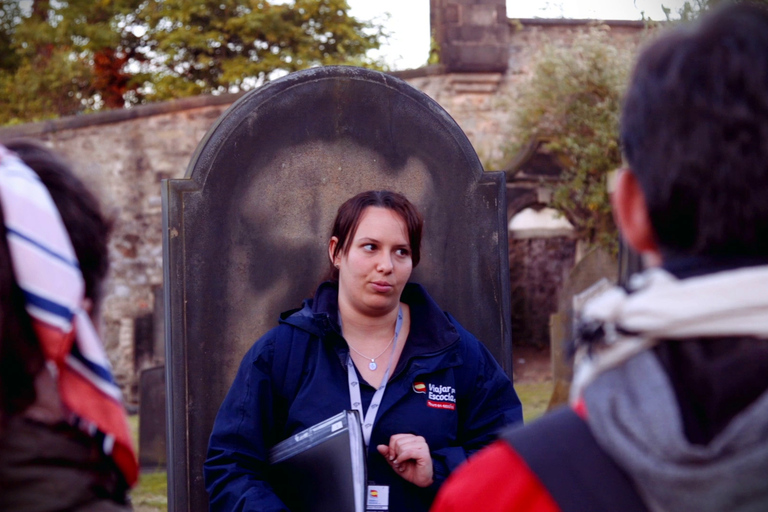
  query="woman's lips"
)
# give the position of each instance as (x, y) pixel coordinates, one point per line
(381, 286)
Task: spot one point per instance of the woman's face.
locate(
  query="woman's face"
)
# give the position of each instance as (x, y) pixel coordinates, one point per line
(373, 272)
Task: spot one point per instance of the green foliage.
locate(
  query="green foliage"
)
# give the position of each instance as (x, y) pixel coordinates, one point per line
(64, 57)
(230, 45)
(692, 9)
(45, 86)
(434, 51)
(572, 103)
(61, 57)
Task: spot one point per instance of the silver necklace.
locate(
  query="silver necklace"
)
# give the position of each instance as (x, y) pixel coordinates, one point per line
(372, 365)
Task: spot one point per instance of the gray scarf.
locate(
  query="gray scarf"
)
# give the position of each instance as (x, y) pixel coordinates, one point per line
(635, 418)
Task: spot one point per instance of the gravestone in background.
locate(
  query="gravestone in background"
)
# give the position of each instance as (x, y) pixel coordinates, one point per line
(246, 232)
(594, 273)
(152, 425)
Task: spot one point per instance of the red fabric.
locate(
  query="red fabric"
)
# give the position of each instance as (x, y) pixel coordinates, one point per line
(494, 480)
(86, 401)
(580, 408)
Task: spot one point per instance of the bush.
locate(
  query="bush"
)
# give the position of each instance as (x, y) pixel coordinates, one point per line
(572, 103)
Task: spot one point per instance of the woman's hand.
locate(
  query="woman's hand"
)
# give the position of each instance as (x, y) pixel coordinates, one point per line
(409, 457)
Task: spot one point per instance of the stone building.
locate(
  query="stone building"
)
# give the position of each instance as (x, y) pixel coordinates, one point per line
(123, 155)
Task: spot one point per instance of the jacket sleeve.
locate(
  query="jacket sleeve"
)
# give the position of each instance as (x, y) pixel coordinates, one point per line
(490, 405)
(236, 465)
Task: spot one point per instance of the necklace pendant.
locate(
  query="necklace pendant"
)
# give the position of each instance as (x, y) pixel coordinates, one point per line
(372, 365)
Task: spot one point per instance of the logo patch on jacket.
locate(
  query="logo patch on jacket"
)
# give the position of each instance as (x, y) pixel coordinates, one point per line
(441, 397)
(419, 387)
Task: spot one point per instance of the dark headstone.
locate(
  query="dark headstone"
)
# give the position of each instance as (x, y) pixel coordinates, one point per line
(246, 232)
(152, 425)
(143, 341)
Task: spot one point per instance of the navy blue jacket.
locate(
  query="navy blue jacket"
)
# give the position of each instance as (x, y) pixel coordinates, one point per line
(295, 376)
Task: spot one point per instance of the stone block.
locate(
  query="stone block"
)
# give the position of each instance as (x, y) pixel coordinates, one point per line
(452, 14)
(477, 58)
(472, 33)
(482, 15)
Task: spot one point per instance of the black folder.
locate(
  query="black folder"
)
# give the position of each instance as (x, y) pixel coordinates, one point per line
(322, 469)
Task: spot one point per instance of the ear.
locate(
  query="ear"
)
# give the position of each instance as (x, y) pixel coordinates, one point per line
(631, 214)
(331, 249)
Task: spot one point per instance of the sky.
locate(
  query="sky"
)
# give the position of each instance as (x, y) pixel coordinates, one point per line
(408, 21)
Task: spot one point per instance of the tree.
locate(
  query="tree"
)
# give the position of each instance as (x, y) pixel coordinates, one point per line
(572, 103)
(692, 9)
(215, 46)
(65, 57)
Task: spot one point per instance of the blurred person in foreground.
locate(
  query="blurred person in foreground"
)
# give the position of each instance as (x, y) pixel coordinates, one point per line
(64, 438)
(669, 409)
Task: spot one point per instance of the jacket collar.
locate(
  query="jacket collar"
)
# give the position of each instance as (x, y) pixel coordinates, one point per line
(430, 330)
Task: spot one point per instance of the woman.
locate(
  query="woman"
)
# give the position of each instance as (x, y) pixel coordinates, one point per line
(429, 393)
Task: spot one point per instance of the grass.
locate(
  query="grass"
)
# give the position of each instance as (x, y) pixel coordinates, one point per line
(535, 397)
(151, 493)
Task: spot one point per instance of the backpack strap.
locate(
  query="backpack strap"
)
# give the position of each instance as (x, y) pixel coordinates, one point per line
(561, 450)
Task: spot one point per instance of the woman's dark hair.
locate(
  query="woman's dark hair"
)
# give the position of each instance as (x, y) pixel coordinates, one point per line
(21, 358)
(349, 214)
(694, 131)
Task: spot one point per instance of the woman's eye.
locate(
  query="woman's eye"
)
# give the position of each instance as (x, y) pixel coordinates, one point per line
(369, 247)
(403, 252)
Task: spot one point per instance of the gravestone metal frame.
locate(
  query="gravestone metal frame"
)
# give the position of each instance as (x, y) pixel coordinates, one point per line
(246, 231)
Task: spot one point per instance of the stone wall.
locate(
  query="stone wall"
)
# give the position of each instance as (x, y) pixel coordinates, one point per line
(124, 154)
(538, 268)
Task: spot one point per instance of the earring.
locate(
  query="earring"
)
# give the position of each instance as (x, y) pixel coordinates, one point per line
(336, 265)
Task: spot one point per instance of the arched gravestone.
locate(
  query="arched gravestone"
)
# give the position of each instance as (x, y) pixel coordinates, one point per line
(246, 231)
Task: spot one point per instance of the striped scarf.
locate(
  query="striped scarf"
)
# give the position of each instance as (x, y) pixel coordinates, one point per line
(48, 273)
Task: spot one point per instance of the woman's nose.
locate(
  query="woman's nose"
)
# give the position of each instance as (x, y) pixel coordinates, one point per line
(385, 263)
